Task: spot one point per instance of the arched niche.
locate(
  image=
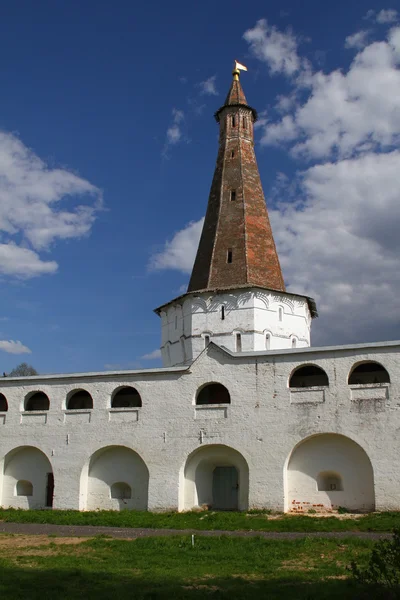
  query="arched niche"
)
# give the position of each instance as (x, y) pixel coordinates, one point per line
(126, 397)
(121, 491)
(28, 480)
(213, 393)
(3, 403)
(114, 466)
(368, 372)
(308, 376)
(37, 401)
(24, 488)
(217, 476)
(78, 400)
(325, 461)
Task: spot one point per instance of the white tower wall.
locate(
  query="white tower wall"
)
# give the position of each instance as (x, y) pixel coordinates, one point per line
(240, 320)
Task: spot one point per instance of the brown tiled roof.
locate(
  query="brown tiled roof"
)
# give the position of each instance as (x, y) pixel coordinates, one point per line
(236, 246)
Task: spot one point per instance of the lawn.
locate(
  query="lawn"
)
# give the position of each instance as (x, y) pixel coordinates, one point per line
(41, 567)
(229, 521)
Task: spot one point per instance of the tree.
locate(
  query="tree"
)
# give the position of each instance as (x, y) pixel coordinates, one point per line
(23, 370)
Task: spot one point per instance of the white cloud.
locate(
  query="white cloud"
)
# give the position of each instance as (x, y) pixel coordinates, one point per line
(155, 355)
(339, 242)
(345, 112)
(208, 88)
(174, 133)
(387, 16)
(358, 40)
(275, 48)
(179, 253)
(31, 216)
(12, 347)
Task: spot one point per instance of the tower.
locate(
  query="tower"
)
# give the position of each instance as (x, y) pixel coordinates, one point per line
(236, 295)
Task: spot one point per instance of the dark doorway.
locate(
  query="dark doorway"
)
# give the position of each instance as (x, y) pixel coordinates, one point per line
(49, 490)
(225, 488)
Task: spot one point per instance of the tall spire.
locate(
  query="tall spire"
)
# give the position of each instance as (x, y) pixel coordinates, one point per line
(236, 247)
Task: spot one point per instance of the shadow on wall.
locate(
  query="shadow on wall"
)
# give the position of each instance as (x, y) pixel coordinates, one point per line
(326, 471)
(28, 479)
(114, 478)
(216, 476)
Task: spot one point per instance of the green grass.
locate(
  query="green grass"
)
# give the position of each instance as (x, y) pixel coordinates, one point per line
(170, 568)
(229, 521)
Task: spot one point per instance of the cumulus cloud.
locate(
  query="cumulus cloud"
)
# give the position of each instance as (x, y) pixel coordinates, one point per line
(174, 133)
(278, 49)
(38, 206)
(208, 88)
(179, 252)
(12, 347)
(155, 355)
(346, 112)
(358, 40)
(387, 16)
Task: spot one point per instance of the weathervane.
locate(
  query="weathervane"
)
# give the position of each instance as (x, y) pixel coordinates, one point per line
(237, 68)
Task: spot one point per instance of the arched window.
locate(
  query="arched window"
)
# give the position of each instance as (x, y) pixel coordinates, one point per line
(244, 123)
(3, 403)
(206, 340)
(309, 376)
(24, 488)
(294, 342)
(233, 120)
(328, 481)
(126, 397)
(79, 400)
(369, 372)
(280, 313)
(213, 393)
(37, 401)
(121, 491)
(238, 342)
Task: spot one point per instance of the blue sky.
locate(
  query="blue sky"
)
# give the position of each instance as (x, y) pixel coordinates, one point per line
(107, 150)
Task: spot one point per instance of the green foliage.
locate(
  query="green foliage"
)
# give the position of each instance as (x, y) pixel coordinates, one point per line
(228, 521)
(383, 568)
(23, 370)
(342, 510)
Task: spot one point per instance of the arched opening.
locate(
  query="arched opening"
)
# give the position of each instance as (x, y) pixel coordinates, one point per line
(3, 403)
(126, 397)
(326, 471)
(79, 399)
(24, 488)
(27, 479)
(37, 401)
(216, 476)
(369, 372)
(109, 474)
(121, 491)
(213, 393)
(308, 376)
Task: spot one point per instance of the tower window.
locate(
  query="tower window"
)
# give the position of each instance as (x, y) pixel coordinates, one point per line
(222, 313)
(267, 341)
(233, 121)
(229, 256)
(206, 340)
(244, 123)
(238, 342)
(232, 154)
(233, 195)
(176, 322)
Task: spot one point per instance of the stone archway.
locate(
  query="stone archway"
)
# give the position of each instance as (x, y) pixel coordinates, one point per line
(27, 479)
(326, 471)
(107, 476)
(216, 476)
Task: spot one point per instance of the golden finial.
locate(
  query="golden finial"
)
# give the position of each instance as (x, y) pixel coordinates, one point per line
(236, 71)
